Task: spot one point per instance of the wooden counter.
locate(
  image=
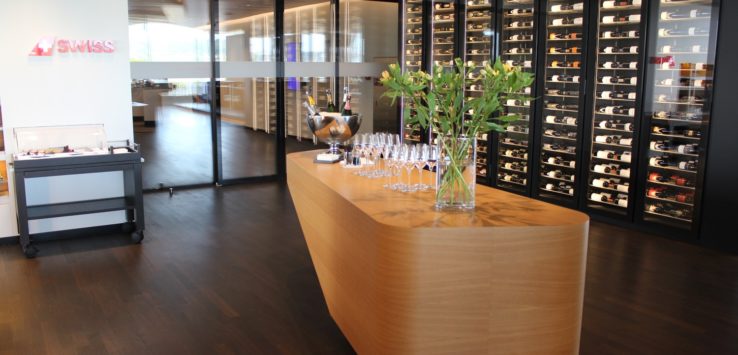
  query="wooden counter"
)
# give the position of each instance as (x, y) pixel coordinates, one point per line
(400, 277)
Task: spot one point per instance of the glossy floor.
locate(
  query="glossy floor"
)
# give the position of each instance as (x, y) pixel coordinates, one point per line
(227, 271)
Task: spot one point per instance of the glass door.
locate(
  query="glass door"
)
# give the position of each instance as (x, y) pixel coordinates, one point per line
(562, 113)
(517, 47)
(616, 117)
(678, 102)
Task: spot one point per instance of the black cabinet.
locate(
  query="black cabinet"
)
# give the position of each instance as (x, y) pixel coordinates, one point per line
(131, 202)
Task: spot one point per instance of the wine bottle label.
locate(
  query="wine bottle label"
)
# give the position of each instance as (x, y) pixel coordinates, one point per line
(607, 80)
(600, 183)
(623, 202)
(628, 127)
(626, 141)
(625, 173)
(609, 49)
(622, 187)
(626, 156)
(553, 174)
(555, 78)
(633, 80)
(512, 102)
(550, 119)
(575, 78)
(608, 19)
(692, 31)
(631, 95)
(550, 187)
(608, 4)
(607, 65)
(631, 112)
(570, 120)
(598, 197)
(696, 48)
(508, 178)
(700, 66)
(633, 49)
(604, 154)
(601, 168)
(634, 18)
(557, 22)
(633, 65)
(578, 21)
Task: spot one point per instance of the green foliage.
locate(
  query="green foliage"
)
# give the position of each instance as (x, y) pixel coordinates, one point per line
(437, 99)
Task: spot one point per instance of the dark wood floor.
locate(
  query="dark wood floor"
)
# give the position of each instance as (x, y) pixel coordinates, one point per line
(227, 271)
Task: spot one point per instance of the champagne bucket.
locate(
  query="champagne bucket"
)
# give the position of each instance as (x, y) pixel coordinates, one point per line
(333, 129)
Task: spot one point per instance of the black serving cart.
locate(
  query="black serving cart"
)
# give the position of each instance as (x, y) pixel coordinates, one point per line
(132, 201)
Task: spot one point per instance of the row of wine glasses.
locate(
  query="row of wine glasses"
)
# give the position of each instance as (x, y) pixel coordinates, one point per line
(383, 155)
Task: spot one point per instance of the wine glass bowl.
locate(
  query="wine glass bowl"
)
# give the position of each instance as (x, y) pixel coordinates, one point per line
(333, 129)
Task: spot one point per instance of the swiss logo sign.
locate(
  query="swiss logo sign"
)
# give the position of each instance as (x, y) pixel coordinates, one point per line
(45, 46)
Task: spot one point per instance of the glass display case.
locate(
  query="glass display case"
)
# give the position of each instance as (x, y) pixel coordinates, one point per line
(615, 123)
(517, 47)
(478, 48)
(563, 87)
(412, 53)
(678, 103)
(59, 141)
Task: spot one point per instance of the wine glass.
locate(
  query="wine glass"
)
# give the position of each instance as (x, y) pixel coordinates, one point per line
(420, 163)
(409, 164)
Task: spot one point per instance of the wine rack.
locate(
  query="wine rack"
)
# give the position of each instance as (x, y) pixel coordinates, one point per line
(560, 118)
(681, 70)
(614, 123)
(518, 47)
(478, 49)
(412, 54)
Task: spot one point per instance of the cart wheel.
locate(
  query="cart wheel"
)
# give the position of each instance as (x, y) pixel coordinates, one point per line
(127, 227)
(30, 251)
(137, 236)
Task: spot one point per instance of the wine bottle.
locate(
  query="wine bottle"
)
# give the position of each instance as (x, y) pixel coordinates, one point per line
(662, 161)
(346, 110)
(310, 103)
(600, 196)
(331, 106)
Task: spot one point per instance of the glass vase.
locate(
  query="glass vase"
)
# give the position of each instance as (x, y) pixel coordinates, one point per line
(456, 176)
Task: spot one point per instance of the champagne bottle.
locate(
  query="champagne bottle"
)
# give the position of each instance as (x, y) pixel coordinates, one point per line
(331, 106)
(346, 109)
(310, 103)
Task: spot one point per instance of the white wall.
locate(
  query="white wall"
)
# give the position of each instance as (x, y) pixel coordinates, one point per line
(66, 89)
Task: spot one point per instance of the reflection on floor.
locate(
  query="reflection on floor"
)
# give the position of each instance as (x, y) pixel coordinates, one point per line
(178, 151)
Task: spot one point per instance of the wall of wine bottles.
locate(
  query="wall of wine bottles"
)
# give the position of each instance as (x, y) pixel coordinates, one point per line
(412, 52)
(562, 98)
(478, 48)
(517, 47)
(615, 117)
(621, 104)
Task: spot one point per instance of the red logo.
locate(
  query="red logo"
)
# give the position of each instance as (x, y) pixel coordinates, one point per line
(45, 46)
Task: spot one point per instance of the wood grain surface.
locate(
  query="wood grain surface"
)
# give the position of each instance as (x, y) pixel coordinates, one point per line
(400, 277)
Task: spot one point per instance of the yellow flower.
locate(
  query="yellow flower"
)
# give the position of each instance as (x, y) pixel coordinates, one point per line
(508, 68)
(385, 75)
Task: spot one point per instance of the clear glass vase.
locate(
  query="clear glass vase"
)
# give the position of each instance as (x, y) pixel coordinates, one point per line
(456, 176)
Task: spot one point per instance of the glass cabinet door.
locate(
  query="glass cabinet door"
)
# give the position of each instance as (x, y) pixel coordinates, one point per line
(563, 85)
(678, 104)
(517, 47)
(615, 117)
(478, 48)
(412, 53)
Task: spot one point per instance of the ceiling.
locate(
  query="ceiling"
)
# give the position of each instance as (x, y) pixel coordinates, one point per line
(194, 13)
